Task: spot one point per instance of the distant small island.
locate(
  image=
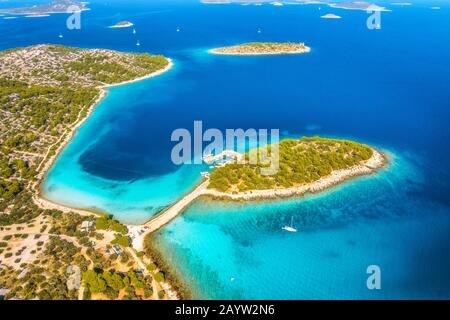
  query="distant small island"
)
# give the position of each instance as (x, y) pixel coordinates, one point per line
(330, 16)
(122, 24)
(263, 48)
(358, 5)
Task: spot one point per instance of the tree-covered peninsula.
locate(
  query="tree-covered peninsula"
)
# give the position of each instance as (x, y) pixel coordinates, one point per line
(301, 161)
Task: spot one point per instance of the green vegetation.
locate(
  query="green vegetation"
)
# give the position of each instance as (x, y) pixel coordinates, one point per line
(171, 275)
(105, 71)
(151, 267)
(111, 283)
(107, 223)
(301, 161)
(159, 277)
(120, 240)
(44, 91)
(46, 279)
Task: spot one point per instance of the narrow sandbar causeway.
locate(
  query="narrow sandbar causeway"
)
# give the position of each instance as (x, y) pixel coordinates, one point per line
(263, 48)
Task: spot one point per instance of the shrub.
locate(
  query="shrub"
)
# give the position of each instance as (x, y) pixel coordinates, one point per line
(123, 241)
(151, 267)
(159, 277)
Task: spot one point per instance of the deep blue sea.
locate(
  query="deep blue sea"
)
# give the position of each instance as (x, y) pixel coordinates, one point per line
(388, 87)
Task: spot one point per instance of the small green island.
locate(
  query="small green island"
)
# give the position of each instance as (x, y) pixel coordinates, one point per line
(306, 164)
(122, 24)
(263, 48)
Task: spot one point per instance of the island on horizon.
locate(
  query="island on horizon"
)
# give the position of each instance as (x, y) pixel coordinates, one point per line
(57, 6)
(263, 48)
(122, 24)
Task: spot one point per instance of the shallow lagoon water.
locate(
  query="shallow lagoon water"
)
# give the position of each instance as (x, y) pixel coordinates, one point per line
(234, 251)
(389, 88)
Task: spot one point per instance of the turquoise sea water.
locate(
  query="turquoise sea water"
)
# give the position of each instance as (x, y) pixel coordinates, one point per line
(387, 87)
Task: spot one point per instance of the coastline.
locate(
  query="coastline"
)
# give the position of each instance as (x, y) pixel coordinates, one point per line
(370, 166)
(174, 289)
(214, 51)
(46, 164)
(172, 275)
(174, 280)
(146, 241)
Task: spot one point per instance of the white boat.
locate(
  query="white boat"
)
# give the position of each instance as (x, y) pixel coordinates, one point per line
(134, 31)
(291, 227)
(178, 29)
(138, 44)
(60, 35)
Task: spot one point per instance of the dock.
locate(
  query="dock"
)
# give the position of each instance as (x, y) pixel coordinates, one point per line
(224, 154)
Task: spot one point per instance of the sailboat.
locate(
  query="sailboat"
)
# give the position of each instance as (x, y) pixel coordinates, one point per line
(137, 43)
(134, 31)
(291, 227)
